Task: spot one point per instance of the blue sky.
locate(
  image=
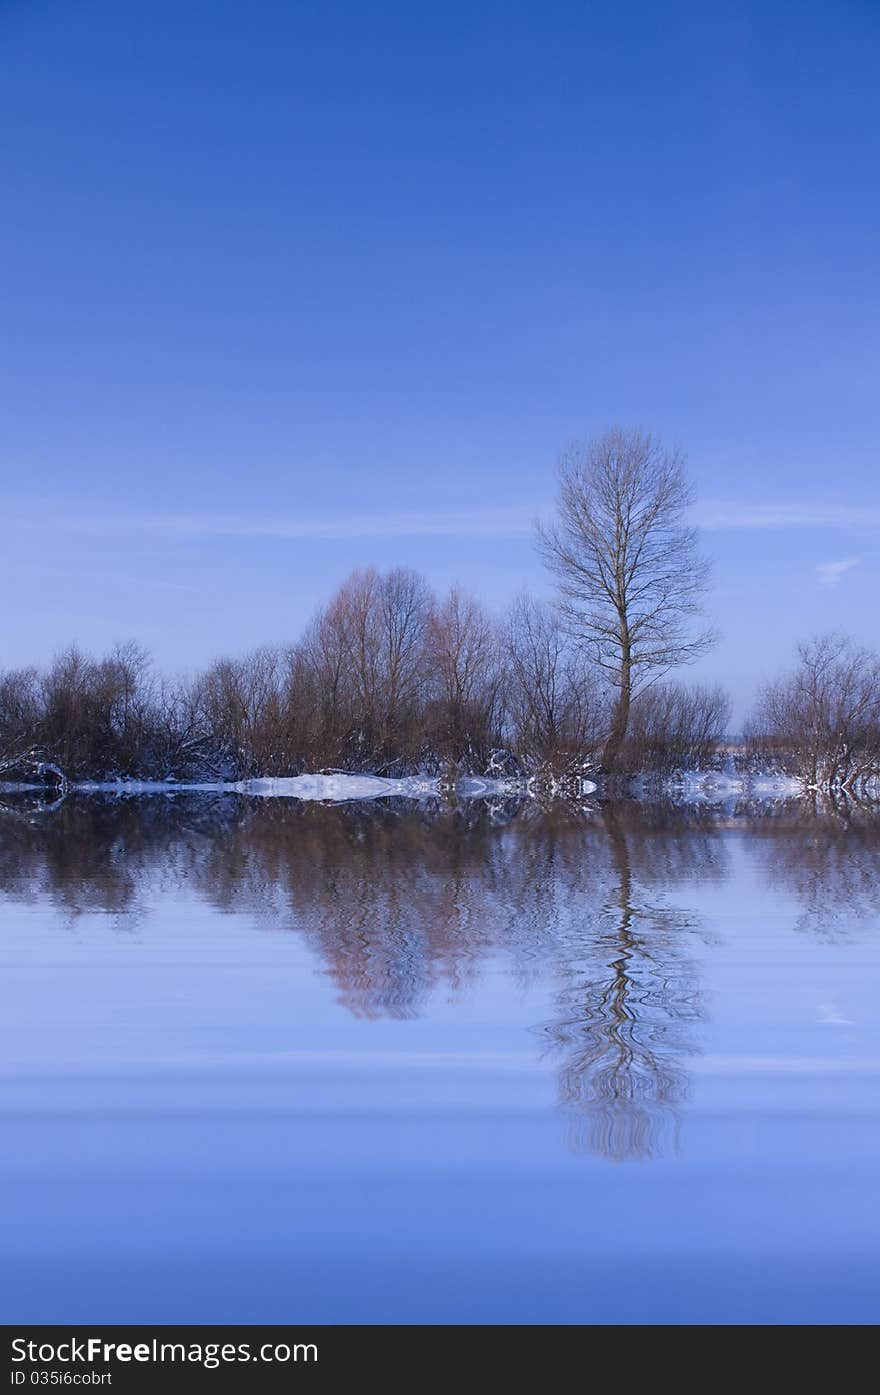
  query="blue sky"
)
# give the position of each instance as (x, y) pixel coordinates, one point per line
(292, 287)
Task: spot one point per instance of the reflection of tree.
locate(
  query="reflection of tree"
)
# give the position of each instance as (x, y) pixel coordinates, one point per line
(398, 901)
(384, 895)
(626, 1005)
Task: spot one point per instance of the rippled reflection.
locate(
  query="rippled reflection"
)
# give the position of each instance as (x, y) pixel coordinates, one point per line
(629, 999)
(398, 900)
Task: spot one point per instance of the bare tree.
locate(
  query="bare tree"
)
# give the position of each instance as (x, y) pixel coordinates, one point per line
(822, 721)
(673, 727)
(322, 659)
(464, 655)
(629, 572)
(405, 604)
(239, 702)
(366, 654)
(20, 712)
(554, 709)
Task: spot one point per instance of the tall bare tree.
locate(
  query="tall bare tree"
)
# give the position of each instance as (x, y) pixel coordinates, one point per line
(629, 571)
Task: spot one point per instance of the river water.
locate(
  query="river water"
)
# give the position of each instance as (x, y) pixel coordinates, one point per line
(400, 1062)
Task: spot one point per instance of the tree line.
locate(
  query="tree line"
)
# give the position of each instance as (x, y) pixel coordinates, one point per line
(391, 678)
(387, 678)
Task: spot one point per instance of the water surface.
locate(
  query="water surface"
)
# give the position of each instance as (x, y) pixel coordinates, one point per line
(271, 1061)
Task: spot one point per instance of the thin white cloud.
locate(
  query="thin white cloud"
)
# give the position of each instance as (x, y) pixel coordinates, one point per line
(477, 523)
(29, 571)
(506, 521)
(717, 515)
(829, 573)
(502, 522)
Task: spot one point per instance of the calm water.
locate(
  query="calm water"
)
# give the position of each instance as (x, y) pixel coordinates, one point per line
(271, 1061)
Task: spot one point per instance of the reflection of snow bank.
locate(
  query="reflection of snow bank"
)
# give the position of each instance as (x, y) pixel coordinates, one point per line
(340, 787)
(714, 785)
(337, 788)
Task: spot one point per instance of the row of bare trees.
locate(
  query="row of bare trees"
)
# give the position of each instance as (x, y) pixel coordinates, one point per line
(387, 678)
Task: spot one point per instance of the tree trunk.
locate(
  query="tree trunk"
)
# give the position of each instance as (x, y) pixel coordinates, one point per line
(620, 722)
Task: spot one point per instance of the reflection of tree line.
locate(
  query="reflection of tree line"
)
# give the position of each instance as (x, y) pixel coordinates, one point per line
(98, 854)
(829, 862)
(398, 901)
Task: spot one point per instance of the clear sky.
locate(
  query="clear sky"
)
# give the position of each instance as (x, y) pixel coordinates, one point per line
(291, 287)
